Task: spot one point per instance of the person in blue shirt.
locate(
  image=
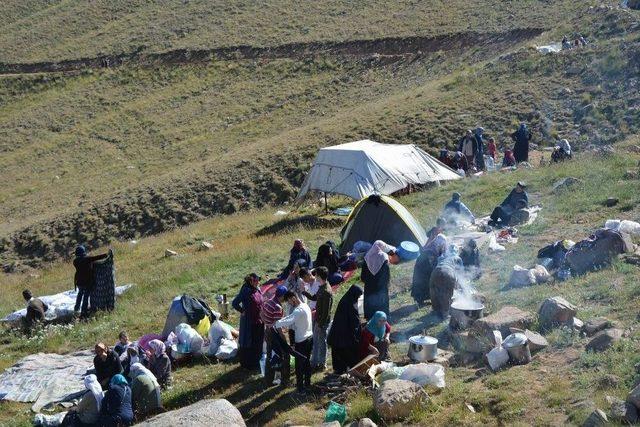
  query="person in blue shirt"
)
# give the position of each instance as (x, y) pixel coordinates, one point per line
(516, 200)
(455, 211)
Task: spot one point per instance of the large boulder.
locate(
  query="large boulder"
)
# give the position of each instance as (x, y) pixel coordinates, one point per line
(595, 325)
(604, 339)
(505, 318)
(621, 411)
(397, 398)
(634, 397)
(536, 341)
(205, 413)
(556, 311)
(597, 419)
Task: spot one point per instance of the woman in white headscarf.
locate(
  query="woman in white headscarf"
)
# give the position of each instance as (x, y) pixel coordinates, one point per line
(88, 409)
(159, 363)
(145, 391)
(376, 277)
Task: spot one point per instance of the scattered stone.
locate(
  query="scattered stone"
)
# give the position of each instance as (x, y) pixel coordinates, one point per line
(633, 259)
(596, 419)
(565, 183)
(556, 311)
(621, 411)
(611, 202)
(470, 342)
(631, 174)
(577, 324)
(604, 339)
(395, 399)
(608, 381)
(445, 358)
(205, 246)
(169, 253)
(505, 318)
(634, 149)
(596, 325)
(536, 341)
(331, 424)
(208, 412)
(634, 397)
(470, 408)
(541, 274)
(366, 422)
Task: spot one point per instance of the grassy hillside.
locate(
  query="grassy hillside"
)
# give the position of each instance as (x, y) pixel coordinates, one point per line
(118, 153)
(62, 29)
(556, 388)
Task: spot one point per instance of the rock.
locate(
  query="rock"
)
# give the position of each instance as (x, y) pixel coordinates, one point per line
(634, 149)
(208, 412)
(470, 342)
(631, 174)
(596, 419)
(445, 358)
(608, 381)
(577, 324)
(611, 202)
(205, 246)
(536, 341)
(505, 318)
(565, 183)
(634, 397)
(621, 411)
(540, 273)
(366, 422)
(397, 398)
(331, 424)
(169, 253)
(604, 340)
(595, 325)
(556, 311)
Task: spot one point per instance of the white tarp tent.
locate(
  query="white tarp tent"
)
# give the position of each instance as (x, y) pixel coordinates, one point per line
(361, 168)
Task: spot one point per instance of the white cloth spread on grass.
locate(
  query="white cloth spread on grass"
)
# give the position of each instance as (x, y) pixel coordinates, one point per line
(46, 378)
(60, 305)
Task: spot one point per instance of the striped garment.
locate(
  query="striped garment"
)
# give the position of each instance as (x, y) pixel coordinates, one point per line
(271, 311)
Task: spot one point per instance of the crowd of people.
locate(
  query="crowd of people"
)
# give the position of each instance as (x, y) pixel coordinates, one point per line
(477, 152)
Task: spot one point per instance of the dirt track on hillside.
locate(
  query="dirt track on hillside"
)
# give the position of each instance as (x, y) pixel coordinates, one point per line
(398, 48)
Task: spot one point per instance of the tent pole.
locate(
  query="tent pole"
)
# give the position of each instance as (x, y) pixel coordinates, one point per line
(326, 208)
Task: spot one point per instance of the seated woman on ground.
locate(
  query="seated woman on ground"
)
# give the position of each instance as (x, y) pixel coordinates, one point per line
(145, 392)
(159, 363)
(375, 337)
(116, 409)
(87, 411)
(298, 252)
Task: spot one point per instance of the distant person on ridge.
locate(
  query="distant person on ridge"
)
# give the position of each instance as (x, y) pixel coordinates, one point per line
(509, 160)
(516, 200)
(479, 137)
(83, 278)
(468, 146)
(36, 310)
(492, 149)
(455, 211)
(521, 139)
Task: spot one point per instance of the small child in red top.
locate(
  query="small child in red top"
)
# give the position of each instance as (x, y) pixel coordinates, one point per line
(374, 338)
(491, 148)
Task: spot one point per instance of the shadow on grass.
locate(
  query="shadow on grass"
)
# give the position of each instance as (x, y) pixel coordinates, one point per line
(425, 322)
(306, 221)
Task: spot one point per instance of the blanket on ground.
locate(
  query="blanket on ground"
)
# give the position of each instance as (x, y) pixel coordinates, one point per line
(46, 379)
(60, 305)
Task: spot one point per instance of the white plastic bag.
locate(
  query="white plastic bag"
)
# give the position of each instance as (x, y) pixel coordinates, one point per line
(498, 356)
(218, 331)
(424, 373)
(227, 349)
(521, 277)
(189, 338)
(631, 228)
(494, 245)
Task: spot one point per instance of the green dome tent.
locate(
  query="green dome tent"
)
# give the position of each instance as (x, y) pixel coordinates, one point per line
(380, 217)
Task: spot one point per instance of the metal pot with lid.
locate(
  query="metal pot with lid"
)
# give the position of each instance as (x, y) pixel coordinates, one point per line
(464, 313)
(423, 348)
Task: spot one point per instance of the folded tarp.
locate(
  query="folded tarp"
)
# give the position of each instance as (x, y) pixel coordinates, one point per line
(60, 305)
(46, 379)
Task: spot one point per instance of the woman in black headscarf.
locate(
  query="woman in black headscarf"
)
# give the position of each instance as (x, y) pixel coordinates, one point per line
(521, 139)
(344, 335)
(326, 258)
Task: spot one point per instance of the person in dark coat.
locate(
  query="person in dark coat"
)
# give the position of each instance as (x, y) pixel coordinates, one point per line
(479, 137)
(521, 139)
(248, 303)
(83, 278)
(36, 310)
(516, 200)
(468, 146)
(509, 160)
(106, 363)
(344, 334)
(298, 252)
(376, 277)
(326, 258)
(116, 408)
(435, 246)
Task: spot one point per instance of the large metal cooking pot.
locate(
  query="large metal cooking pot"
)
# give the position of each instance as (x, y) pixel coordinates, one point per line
(464, 313)
(423, 348)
